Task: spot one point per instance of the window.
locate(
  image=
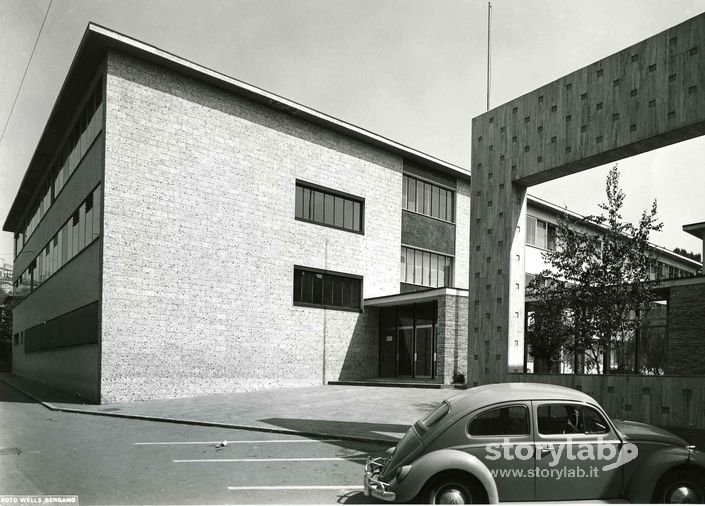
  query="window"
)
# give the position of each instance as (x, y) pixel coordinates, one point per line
(506, 421)
(327, 207)
(88, 125)
(427, 198)
(540, 233)
(329, 290)
(425, 268)
(570, 419)
(78, 232)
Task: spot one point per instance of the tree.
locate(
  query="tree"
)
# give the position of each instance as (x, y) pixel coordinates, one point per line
(601, 276)
(548, 329)
(688, 254)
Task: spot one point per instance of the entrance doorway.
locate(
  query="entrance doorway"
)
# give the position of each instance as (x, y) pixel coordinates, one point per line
(408, 341)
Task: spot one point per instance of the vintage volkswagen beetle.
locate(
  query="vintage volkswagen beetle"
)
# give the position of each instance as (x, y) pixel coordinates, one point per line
(524, 442)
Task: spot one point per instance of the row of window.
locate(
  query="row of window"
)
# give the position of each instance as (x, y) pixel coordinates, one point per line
(425, 268)
(328, 207)
(87, 127)
(335, 209)
(328, 290)
(427, 198)
(82, 228)
(542, 234)
(664, 271)
(551, 419)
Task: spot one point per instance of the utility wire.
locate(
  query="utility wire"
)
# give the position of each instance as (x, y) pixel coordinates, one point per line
(14, 102)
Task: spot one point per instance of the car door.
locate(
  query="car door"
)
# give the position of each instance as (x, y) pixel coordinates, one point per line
(577, 452)
(501, 437)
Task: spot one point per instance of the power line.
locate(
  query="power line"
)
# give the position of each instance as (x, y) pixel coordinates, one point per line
(14, 102)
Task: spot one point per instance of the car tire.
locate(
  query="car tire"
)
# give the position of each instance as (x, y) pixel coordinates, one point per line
(680, 486)
(454, 487)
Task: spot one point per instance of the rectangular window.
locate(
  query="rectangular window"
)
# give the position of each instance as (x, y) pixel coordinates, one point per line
(318, 207)
(328, 290)
(333, 215)
(531, 230)
(330, 207)
(411, 202)
(427, 198)
(425, 268)
(405, 193)
(540, 233)
(420, 186)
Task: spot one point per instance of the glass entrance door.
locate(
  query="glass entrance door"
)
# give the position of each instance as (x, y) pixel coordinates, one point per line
(423, 345)
(407, 341)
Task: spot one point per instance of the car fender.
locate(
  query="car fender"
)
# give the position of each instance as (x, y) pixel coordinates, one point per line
(640, 488)
(433, 463)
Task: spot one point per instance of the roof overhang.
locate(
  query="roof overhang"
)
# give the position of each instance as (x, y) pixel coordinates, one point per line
(414, 297)
(696, 229)
(98, 40)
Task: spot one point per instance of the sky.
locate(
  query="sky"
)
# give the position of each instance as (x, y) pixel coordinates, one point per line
(414, 71)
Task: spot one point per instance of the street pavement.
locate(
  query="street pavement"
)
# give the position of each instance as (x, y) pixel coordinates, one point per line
(109, 460)
(377, 414)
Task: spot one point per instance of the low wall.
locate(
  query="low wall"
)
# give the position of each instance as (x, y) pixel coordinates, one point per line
(669, 401)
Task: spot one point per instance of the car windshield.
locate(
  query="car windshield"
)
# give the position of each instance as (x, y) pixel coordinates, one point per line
(435, 416)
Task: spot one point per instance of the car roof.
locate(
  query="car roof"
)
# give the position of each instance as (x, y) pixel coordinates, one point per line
(495, 393)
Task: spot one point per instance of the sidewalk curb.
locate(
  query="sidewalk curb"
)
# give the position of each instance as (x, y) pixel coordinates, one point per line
(201, 423)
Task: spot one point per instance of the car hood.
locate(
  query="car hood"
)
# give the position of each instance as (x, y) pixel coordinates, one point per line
(637, 431)
(406, 450)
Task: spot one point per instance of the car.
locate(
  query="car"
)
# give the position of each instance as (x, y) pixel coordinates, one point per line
(533, 442)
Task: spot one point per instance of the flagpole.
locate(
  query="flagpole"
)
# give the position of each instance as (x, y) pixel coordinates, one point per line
(489, 68)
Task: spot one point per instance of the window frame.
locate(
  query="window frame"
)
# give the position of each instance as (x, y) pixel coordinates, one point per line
(322, 305)
(490, 409)
(423, 188)
(336, 195)
(411, 268)
(572, 435)
(533, 224)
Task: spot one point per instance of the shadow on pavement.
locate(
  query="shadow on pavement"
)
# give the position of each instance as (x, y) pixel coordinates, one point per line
(12, 383)
(360, 429)
(357, 498)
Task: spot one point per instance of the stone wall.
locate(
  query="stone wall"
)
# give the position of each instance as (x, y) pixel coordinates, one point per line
(686, 329)
(200, 241)
(452, 340)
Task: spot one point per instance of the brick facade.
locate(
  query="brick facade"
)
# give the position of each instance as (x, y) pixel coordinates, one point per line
(686, 329)
(452, 341)
(200, 241)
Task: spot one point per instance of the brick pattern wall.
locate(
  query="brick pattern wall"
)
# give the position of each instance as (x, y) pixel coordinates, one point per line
(452, 340)
(462, 235)
(686, 330)
(200, 241)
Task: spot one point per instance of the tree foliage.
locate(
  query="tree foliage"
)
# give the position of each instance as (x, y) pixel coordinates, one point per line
(593, 297)
(688, 254)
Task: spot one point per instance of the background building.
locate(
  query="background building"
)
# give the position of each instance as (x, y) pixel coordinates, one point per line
(181, 233)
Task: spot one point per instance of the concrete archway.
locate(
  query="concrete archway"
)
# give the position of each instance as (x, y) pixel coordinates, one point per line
(644, 97)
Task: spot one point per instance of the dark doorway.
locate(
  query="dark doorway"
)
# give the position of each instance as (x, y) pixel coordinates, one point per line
(408, 341)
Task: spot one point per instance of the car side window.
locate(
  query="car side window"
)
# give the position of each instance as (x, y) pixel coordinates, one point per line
(570, 419)
(505, 421)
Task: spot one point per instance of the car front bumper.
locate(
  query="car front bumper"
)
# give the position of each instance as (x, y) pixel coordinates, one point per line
(373, 486)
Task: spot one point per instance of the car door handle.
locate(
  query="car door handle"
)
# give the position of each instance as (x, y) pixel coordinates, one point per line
(545, 451)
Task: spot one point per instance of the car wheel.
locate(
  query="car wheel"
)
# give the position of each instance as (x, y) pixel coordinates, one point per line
(453, 488)
(681, 486)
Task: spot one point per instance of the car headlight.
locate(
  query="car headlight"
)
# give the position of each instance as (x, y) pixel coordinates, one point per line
(402, 472)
